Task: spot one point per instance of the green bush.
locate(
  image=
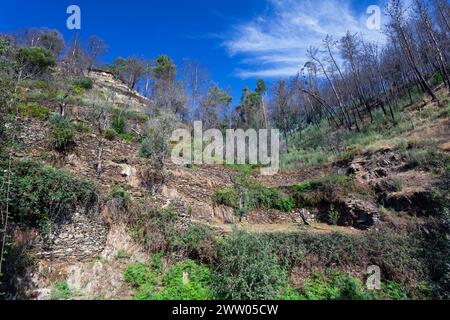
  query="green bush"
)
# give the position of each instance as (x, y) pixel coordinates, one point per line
(198, 286)
(255, 195)
(226, 196)
(157, 261)
(41, 195)
(310, 193)
(119, 124)
(62, 133)
(248, 270)
(437, 78)
(146, 150)
(84, 83)
(127, 137)
(147, 281)
(426, 159)
(335, 286)
(61, 291)
(36, 60)
(143, 279)
(33, 110)
(81, 127)
(138, 275)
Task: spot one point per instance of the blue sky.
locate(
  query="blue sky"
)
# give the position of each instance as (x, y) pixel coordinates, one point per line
(236, 40)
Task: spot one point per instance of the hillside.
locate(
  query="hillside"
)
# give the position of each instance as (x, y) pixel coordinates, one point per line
(309, 161)
(391, 184)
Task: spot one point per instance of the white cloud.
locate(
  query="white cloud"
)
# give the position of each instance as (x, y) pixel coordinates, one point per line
(274, 45)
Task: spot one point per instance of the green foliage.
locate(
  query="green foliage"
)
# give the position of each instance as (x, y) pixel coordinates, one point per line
(333, 216)
(157, 261)
(33, 110)
(198, 286)
(41, 195)
(143, 279)
(226, 196)
(81, 127)
(289, 294)
(62, 133)
(310, 193)
(138, 275)
(260, 196)
(254, 195)
(248, 270)
(432, 160)
(119, 124)
(61, 291)
(437, 78)
(40, 84)
(165, 69)
(146, 150)
(156, 230)
(35, 60)
(336, 286)
(390, 290)
(147, 280)
(84, 83)
(301, 158)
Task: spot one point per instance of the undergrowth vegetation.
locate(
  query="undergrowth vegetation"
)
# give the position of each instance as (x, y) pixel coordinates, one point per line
(40, 195)
(262, 266)
(248, 194)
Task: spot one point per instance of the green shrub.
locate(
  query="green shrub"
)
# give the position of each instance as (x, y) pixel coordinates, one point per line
(138, 275)
(248, 270)
(146, 150)
(426, 159)
(62, 133)
(197, 243)
(310, 193)
(127, 137)
(157, 261)
(301, 158)
(335, 286)
(260, 196)
(41, 195)
(143, 279)
(255, 195)
(40, 84)
(119, 124)
(36, 60)
(33, 110)
(226, 196)
(437, 78)
(61, 291)
(333, 216)
(390, 290)
(81, 127)
(84, 83)
(198, 286)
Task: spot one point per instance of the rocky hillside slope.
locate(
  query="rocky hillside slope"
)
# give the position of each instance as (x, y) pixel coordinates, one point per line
(367, 189)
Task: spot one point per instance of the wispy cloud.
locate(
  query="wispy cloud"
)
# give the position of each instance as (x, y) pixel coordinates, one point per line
(275, 44)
